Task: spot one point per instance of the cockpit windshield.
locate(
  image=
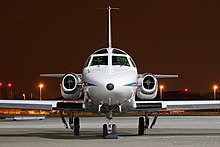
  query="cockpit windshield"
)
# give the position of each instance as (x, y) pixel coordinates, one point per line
(99, 60)
(120, 60)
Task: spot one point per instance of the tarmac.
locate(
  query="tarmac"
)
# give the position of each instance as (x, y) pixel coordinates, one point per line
(177, 131)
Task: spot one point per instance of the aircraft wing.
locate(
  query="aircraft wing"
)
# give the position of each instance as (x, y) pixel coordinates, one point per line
(42, 105)
(176, 105)
(139, 106)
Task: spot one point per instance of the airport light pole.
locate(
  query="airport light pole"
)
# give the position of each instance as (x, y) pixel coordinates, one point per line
(0, 88)
(215, 87)
(161, 92)
(24, 96)
(10, 88)
(41, 86)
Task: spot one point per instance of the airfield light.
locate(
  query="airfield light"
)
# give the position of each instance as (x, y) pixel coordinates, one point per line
(41, 86)
(24, 96)
(215, 87)
(9, 84)
(185, 90)
(0, 84)
(161, 92)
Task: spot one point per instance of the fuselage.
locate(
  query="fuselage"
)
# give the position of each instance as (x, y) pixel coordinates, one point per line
(110, 77)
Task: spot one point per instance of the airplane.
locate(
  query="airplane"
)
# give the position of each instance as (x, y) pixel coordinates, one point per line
(109, 84)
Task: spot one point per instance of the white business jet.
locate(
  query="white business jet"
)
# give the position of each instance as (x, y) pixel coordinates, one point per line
(109, 84)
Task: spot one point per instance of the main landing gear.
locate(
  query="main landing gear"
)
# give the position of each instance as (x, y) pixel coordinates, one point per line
(143, 124)
(109, 129)
(74, 125)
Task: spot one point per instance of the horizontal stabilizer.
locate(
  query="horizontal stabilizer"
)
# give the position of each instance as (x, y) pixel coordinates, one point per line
(52, 75)
(56, 75)
(165, 76)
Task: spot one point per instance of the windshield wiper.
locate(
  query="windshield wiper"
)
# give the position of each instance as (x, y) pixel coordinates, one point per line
(122, 63)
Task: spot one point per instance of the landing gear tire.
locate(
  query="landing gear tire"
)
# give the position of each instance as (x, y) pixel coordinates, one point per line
(141, 126)
(76, 126)
(114, 129)
(105, 131)
(110, 134)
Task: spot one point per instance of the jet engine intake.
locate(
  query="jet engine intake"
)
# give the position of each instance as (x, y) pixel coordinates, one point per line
(147, 88)
(71, 86)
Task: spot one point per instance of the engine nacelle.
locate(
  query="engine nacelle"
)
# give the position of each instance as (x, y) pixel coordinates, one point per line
(71, 86)
(147, 88)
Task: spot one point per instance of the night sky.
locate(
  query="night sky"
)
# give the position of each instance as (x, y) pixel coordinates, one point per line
(162, 36)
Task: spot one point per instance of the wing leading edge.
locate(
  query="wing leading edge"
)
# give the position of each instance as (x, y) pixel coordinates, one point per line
(176, 105)
(190, 105)
(42, 105)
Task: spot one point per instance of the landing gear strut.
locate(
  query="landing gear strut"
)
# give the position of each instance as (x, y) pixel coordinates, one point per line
(109, 129)
(144, 124)
(74, 125)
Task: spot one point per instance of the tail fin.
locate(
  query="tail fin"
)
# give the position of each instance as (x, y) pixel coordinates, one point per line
(109, 26)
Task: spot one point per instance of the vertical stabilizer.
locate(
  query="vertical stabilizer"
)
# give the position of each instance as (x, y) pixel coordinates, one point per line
(109, 26)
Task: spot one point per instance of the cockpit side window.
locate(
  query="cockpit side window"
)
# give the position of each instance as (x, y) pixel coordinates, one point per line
(99, 60)
(120, 60)
(87, 62)
(132, 62)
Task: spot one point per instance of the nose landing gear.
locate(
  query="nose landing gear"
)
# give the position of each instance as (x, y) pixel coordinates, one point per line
(109, 129)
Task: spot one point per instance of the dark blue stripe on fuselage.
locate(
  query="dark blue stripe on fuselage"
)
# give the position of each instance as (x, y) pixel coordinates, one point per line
(131, 84)
(89, 84)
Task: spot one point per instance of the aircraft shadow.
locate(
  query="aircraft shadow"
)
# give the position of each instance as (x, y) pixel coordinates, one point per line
(94, 135)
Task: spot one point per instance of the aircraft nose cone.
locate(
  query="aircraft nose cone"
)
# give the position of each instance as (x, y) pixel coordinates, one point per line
(110, 86)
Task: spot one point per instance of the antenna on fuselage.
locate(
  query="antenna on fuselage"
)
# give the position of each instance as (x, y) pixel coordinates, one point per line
(109, 26)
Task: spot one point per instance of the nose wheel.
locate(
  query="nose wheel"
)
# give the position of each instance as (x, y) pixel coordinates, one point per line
(110, 133)
(109, 129)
